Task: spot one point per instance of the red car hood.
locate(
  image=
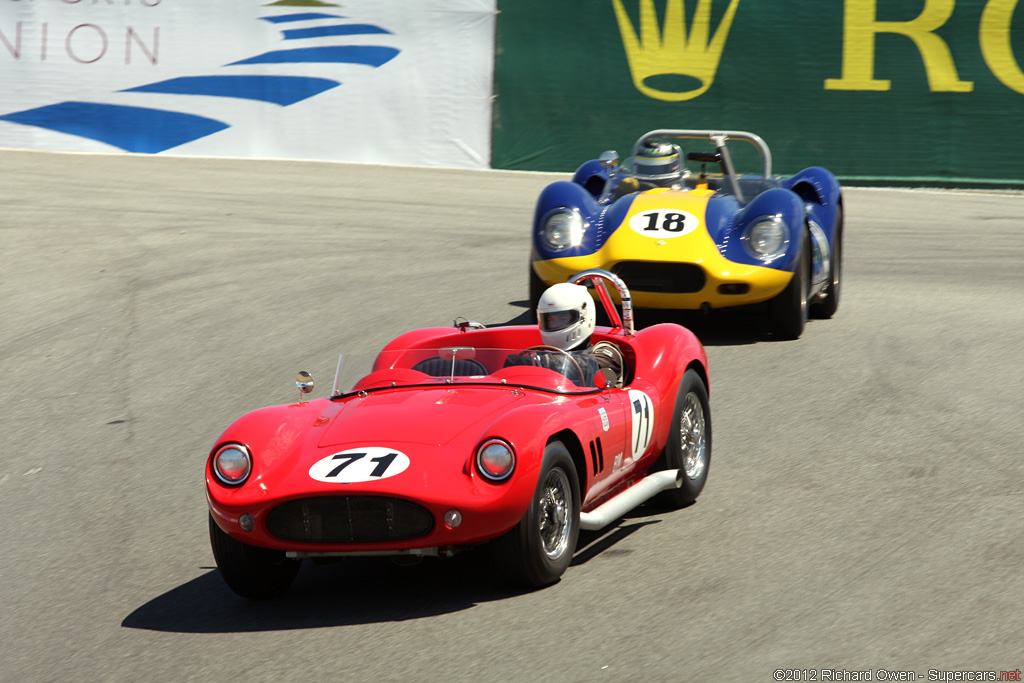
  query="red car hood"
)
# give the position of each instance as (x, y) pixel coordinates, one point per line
(424, 416)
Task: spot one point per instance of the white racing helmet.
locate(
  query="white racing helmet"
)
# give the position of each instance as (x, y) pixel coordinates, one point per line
(566, 316)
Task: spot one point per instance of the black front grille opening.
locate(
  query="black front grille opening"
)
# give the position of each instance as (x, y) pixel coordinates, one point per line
(667, 278)
(350, 519)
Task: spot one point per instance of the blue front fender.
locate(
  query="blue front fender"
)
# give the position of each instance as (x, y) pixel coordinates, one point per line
(564, 194)
(772, 202)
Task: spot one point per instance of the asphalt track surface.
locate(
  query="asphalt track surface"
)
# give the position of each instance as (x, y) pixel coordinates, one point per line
(865, 501)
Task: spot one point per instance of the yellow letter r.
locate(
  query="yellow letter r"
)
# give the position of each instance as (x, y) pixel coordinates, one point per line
(859, 29)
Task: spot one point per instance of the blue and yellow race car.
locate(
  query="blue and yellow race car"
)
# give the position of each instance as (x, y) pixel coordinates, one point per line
(689, 232)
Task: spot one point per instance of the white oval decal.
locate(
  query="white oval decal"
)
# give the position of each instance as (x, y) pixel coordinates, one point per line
(358, 465)
(664, 223)
(642, 411)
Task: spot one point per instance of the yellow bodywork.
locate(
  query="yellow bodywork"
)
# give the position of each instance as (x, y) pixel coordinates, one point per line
(694, 246)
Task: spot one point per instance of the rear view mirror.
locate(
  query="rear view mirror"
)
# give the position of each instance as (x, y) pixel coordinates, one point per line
(705, 157)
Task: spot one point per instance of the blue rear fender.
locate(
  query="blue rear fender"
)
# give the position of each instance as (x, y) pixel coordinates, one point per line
(822, 195)
(591, 176)
(772, 202)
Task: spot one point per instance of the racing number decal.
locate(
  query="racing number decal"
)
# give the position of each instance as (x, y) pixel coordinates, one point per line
(642, 411)
(358, 465)
(664, 223)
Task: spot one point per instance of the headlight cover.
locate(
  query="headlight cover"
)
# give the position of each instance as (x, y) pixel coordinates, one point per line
(767, 238)
(495, 460)
(232, 464)
(562, 228)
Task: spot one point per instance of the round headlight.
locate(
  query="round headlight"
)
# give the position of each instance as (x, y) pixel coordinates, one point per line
(495, 460)
(563, 228)
(232, 464)
(767, 238)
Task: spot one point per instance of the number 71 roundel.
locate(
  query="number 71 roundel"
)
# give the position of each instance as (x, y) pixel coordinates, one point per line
(641, 409)
(358, 465)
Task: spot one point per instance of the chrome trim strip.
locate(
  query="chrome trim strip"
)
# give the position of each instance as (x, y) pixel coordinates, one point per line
(428, 552)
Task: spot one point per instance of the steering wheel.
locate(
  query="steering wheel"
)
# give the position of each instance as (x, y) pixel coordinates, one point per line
(545, 347)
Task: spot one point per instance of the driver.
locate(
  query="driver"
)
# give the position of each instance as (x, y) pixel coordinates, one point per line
(658, 163)
(566, 315)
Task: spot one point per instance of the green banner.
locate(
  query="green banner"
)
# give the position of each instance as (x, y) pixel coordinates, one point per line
(901, 92)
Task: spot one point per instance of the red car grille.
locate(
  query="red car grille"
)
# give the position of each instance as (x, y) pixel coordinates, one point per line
(349, 519)
(655, 276)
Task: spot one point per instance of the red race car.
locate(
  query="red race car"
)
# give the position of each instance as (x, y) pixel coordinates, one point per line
(462, 436)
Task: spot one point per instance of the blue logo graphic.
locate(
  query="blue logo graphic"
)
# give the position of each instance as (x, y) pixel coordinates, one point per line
(151, 131)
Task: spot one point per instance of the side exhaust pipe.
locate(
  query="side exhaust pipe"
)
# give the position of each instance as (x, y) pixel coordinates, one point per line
(638, 493)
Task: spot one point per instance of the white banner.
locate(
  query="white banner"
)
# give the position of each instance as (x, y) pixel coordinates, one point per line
(379, 81)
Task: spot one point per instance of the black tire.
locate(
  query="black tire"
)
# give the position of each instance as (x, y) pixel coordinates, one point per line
(789, 310)
(826, 307)
(689, 441)
(252, 572)
(537, 288)
(537, 551)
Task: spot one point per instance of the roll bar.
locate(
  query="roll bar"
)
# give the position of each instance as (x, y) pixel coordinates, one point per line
(718, 139)
(599, 277)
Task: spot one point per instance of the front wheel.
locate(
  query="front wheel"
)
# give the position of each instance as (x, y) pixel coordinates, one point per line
(250, 571)
(689, 441)
(537, 551)
(788, 311)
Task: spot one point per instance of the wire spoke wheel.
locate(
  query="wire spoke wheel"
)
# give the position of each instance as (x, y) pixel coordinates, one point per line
(689, 441)
(538, 550)
(555, 522)
(693, 436)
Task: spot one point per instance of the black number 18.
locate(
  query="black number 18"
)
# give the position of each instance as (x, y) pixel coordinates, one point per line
(673, 221)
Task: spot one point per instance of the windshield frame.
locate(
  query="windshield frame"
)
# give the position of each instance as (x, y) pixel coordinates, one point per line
(362, 373)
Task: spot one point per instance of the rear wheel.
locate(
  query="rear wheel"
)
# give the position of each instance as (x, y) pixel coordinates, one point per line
(788, 311)
(826, 307)
(538, 550)
(252, 572)
(689, 441)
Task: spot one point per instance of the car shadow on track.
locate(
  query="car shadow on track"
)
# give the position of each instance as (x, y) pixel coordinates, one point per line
(364, 590)
(594, 543)
(350, 592)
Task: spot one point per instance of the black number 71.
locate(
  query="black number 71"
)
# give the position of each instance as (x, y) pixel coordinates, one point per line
(382, 463)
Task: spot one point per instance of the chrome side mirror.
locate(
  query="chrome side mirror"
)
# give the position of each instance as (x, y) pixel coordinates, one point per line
(609, 159)
(462, 324)
(605, 378)
(304, 381)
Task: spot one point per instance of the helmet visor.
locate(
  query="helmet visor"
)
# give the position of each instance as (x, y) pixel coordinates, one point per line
(553, 321)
